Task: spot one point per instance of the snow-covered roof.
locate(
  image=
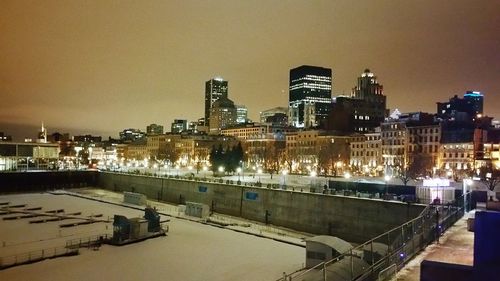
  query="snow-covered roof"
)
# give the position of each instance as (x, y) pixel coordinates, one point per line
(339, 245)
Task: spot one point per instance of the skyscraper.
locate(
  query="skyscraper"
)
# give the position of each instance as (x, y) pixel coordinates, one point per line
(370, 113)
(241, 114)
(363, 111)
(310, 95)
(42, 135)
(222, 115)
(215, 88)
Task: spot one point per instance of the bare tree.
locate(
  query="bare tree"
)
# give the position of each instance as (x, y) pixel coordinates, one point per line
(273, 155)
(404, 175)
(489, 177)
(170, 153)
(289, 156)
(418, 167)
(331, 152)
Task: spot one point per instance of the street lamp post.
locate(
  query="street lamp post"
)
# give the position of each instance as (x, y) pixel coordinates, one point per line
(242, 169)
(284, 178)
(313, 174)
(387, 178)
(466, 182)
(205, 169)
(347, 176)
(238, 170)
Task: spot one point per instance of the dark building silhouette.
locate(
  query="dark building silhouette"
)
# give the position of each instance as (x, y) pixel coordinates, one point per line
(154, 129)
(278, 119)
(310, 95)
(363, 111)
(222, 115)
(4, 137)
(461, 117)
(58, 137)
(179, 126)
(214, 89)
(130, 135)
(88, 138)
(467, 108)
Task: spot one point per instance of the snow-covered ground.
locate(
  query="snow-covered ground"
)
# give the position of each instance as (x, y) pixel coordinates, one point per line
(190, 251)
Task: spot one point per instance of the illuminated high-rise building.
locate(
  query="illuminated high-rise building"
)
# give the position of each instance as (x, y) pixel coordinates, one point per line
(222, 115)
(361, 112)
(241, 114)
(42, 135)
(310, 95)
(214, 89)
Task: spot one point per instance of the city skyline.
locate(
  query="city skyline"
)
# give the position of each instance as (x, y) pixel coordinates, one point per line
(100, 67)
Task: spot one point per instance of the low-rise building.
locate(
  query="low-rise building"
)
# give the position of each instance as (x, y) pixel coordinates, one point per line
(28, 156)
(366, 153)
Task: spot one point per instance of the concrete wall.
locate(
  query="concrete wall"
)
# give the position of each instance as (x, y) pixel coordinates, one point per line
(349, 218)
(45, 180)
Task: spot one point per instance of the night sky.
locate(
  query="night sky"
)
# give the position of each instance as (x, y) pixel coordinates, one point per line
(100, 66)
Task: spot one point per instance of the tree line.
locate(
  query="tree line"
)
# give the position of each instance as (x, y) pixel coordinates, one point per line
(229, 158)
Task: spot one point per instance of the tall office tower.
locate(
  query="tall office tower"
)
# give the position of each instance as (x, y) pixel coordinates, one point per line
(222, 115)
(214, 89)
(363, 111)
(241, 114)
(467, 108)
(373, 111)
(310, 95)
(154, 129)
(42, 135)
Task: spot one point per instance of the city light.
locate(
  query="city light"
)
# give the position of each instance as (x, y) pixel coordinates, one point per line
(330, 145)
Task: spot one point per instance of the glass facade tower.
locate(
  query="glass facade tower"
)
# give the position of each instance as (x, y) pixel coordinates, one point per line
(310, 95)
(214, 89)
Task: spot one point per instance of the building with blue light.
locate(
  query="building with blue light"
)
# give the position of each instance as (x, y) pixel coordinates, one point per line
(467, 108)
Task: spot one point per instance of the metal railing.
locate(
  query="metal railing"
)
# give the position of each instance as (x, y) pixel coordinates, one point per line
(87, 242)
(381, 257)
(72, 248)
(34, 256)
